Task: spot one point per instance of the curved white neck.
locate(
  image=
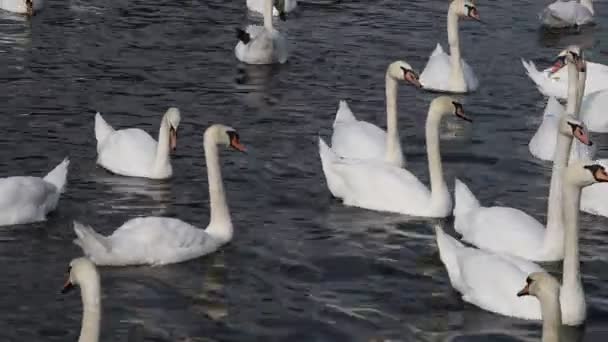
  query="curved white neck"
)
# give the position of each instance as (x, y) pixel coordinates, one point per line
(572, 90)
(394, 154)
(91, 310)
(589, 5)
(580, 91)
(456, 77)
(220, 224)
(439, 189)
(268, 4)
(572, 286)
(552, 316)
(162, 149)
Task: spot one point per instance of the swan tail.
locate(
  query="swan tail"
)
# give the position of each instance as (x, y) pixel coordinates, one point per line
(464, 199)
(449, 252)
(92, 243)
(438, 50)
(536, 76)
(344, 114)
(328, 157)
(243, 36)
(58, 176)
(102, 128)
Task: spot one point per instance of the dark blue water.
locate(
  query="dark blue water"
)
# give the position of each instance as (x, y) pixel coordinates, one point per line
(301, 267)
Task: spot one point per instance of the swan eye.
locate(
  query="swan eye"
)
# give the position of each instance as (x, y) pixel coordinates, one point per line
(574, 126)
(529, 280)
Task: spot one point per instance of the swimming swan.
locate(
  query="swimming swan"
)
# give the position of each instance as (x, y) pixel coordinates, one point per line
(561, 14)
(82, 272)
(545, 288)
(261, 44)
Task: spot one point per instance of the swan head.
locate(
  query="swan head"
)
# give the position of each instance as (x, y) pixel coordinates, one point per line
(173, 118)
(573, 54)
(280, 6)
(80, 271)
(585, 173)
(466, 9)
(540, 284)
(224, 135)
(400, 70)
(444, 105)
(572, 127)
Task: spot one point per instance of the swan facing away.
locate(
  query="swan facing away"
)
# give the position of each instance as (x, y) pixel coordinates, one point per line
(512, 231)
(358, 139)
(27, 7)
(490, 280)
(279, 7)
(262, 44)
(164, 240)
(83, 273)
(384, 187)
(27, 199)
(545, 288)
(450, 73)
(567, 13)
(133, 152)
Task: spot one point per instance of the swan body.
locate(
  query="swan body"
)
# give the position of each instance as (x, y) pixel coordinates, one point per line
(133, 152)
(384, 187)
(512, 231)
(28, 199)
(258, 6)
(83, 273)
(545, 288)
(163, 240)
(27, 7)
(358, 139)
(561, 13)
(543, 143)
(450, 73)
(261, 44)
(489, 280)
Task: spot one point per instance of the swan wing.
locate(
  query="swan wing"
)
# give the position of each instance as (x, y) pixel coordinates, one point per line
(437, 70)
(26, 199)
(129, 152)
(359, 140)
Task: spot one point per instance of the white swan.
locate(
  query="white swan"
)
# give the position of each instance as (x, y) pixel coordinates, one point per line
(27, 7)
(165, 240)
(542, 145)
(28, 199)
(360, 139)
(384, 187)
(553, 81)
(261, 44)
(489, 280)
(451, 73)
(82, 272)
(545, 288)
(512, 231)
(133, 152)
(562, 13)
(287, 6)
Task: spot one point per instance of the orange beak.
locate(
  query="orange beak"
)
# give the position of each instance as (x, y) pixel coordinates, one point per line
(582, 136)
(525, 291)
(67, 286)
(236, 144)
(173, 138)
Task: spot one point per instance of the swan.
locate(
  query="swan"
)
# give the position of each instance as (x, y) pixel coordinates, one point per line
(82, 272)
(357, 139)
(286, 5)
(164, 240)
(27, 199)
(510, 230)
(545, 288)
(27, 7)
(450, 73)
(489, 280)
(384, 187)
(553, 81)
(133, 152)
(261, 44)
(562, 14)
(542, 144)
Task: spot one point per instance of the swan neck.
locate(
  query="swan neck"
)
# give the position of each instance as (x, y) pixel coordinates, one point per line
(438, 186)
(571, 272)
(220, 224)
(394, 154)
(551, 315)
(268, 4)
(555, 224)
(91, 310)
(582, 80)
(456, 77)
(572, 90)
(162, 149)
